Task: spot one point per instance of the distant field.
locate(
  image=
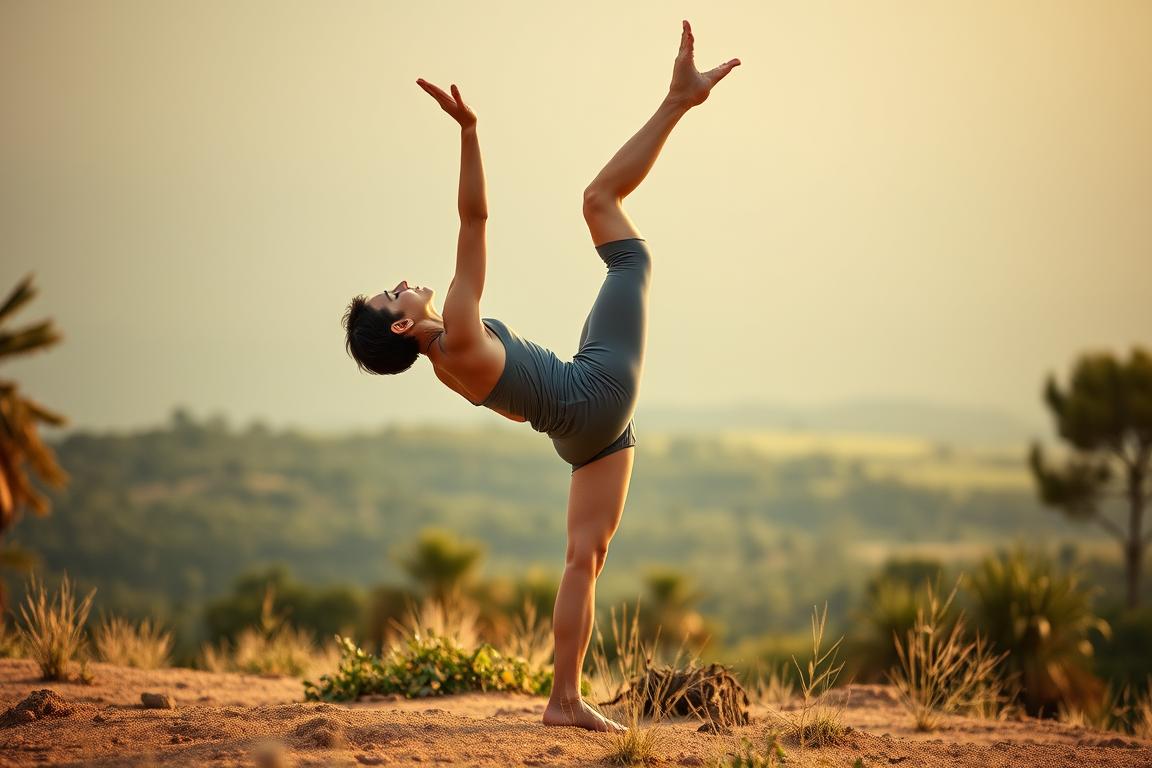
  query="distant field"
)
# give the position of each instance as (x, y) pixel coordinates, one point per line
(910, 460)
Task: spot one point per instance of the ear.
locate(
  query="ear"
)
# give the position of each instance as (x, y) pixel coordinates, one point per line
(402, 326)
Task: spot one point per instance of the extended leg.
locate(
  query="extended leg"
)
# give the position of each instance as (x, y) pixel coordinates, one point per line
(595, 504)
(628, 167)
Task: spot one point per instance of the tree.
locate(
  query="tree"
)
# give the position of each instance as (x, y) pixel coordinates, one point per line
(22, 453)
(1105, 415)
(440, 563)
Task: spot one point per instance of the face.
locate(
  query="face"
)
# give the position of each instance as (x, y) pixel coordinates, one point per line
(413, 302)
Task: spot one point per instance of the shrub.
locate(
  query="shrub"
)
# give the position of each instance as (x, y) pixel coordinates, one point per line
(53, 627)
(426, 665)
(143, 645)
(1043, 619)
(272, 648)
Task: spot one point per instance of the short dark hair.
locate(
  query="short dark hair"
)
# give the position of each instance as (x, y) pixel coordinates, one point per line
(373, 344)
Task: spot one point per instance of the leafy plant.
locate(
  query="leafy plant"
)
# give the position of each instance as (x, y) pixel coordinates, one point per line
(939, 671)
(22, 452)
(53, 626)
(1043, 619)
(426, 665)
(143, 645)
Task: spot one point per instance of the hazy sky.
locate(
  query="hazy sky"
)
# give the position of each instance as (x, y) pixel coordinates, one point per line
(937, 200)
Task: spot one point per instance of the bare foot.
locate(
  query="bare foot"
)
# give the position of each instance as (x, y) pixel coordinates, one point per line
(579, 714)
(689, 85)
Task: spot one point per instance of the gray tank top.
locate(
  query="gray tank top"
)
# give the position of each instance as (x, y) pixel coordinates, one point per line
(535, 383)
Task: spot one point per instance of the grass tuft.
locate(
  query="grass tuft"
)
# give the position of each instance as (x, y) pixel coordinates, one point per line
(633, 659)
(939, 671)
(143, 646)
(817, 723)
(272, 648)
(52, 629)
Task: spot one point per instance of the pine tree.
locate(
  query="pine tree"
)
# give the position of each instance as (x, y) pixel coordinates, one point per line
(1105, 415)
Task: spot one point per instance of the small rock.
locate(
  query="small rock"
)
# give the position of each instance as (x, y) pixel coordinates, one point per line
(99, 719)
(690, 760)
(369, 759)
(156, 701)
(555, 749)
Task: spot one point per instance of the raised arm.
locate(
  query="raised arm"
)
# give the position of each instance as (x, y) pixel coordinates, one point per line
(462, 326)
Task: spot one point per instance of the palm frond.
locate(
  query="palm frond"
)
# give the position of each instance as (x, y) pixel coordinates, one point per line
(34, 338)
(21, 295)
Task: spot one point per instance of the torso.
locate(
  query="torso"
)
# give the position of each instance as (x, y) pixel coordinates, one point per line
(473, 376)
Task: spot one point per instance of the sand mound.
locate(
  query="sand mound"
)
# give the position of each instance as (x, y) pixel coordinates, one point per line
(36, 706)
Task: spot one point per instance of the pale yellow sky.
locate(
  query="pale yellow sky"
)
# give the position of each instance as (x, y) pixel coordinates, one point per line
(937, 200)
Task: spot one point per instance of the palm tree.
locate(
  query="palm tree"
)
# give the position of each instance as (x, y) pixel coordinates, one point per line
(22, 453)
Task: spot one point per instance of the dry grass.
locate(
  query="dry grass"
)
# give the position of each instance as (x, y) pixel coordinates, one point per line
(816, 722)
(11, 642)
(52, 628)
(637, 745)
(939, 671)
(272, 648)
(531, 637)
(454, 617)
(773, 687)
(1123, 711)
(143, 645)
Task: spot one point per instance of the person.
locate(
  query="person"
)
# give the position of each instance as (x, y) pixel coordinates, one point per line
(584, 405)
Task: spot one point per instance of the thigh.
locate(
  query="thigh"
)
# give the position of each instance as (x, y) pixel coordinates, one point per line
(596, 499)
(614, 333)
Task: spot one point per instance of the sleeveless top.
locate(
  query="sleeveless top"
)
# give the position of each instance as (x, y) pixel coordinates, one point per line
(535, 384)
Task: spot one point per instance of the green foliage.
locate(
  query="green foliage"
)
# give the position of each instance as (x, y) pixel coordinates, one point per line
(1105, 415)
(319, 612)
(440, 563)
(426, 665)
(1043, 618)
(889, 611)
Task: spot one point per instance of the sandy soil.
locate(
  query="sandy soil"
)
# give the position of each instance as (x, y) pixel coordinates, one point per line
(240, 720)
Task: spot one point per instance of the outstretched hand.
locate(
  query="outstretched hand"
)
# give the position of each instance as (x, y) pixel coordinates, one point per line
(688, 84)
(454, 105)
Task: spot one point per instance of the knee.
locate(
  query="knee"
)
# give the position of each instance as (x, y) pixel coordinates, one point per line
(598, 199)
(587, 557)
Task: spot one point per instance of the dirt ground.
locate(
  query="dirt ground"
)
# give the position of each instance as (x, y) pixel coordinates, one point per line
(241, 720)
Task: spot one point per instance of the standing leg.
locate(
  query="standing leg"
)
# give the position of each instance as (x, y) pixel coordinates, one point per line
(598, 490)
(595, 505)
(628, 167)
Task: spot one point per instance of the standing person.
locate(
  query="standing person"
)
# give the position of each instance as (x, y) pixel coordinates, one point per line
(585, 406)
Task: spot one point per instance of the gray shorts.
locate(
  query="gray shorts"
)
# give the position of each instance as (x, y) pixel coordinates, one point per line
(610, 357)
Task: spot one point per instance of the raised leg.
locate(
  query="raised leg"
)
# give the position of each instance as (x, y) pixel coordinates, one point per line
(595, 504)
(628, 167)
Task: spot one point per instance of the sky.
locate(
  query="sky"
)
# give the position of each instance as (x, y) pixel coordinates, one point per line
(945, 201)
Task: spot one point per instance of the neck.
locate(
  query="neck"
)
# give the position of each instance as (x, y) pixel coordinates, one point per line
(427, 336)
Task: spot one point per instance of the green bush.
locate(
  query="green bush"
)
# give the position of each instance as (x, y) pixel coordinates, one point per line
(427, 665)
(1044, 619)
